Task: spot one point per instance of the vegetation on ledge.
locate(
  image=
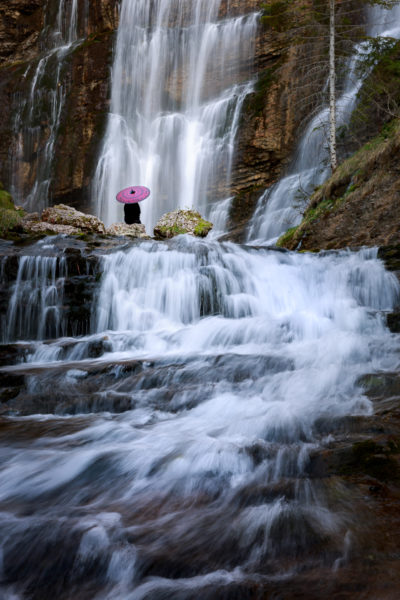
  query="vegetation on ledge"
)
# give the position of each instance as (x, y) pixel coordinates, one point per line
(359, 204)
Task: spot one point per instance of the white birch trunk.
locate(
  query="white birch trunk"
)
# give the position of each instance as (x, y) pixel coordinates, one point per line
(332, 88)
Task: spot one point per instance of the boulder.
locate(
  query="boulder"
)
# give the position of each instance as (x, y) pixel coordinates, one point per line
(182, 221)
(123, 230)
(31, 223)
(68, 216)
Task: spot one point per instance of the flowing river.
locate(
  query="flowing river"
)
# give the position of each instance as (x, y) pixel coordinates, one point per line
(163, 448)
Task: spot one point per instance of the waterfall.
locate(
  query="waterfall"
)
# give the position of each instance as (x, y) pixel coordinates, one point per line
(172, 446)
(179, 79)
(281, 206)
(38, 114)
(223, 371)
(34, 309)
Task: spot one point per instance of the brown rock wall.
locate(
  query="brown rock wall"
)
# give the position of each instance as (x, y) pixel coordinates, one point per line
(273, 116)
(84, 119)
(21, 22)
(85, 79)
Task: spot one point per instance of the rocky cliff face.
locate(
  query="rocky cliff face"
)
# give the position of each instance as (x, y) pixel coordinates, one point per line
(69, 141)
(70, 88)
(359, 205)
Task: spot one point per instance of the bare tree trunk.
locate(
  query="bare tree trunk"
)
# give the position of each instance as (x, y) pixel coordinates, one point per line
(332, 87)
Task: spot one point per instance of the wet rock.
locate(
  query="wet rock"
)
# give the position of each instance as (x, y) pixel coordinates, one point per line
(391, 257)
(97, 348)
(68, 216)
(178, 222)
(13, 353)
(393, 322)
(122, 230)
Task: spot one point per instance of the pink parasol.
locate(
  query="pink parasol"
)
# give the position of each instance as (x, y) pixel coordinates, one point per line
(134, 194)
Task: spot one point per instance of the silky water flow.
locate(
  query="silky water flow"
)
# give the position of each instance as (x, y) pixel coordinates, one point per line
(166, 453)
(176, 463)
(179, 80)
(39, 109)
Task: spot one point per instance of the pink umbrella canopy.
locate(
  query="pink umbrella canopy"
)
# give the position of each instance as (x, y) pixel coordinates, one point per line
(134, 194)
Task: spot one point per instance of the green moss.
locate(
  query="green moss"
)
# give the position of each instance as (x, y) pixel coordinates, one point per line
(175, 229)
(9, 216)
(202, 228)
(256, 102)
(94, 38)
(6, 201)
(287, 237)
(9, 219)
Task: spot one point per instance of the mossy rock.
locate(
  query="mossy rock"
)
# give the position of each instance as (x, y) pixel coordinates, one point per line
(179, 222)
(287, 237)
(64, 215)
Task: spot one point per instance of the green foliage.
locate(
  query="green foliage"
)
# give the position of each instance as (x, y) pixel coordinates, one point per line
(9, 219)
(379, 97)
(6, 201)
(376, 50)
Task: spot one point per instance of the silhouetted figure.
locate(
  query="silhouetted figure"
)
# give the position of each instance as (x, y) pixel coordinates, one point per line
(132, 213)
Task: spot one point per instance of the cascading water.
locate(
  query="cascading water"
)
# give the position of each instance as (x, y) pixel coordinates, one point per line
(34, 308)
(281, 206)
(169, 453)
(179, 79)
(230, 366)
(37, 116)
